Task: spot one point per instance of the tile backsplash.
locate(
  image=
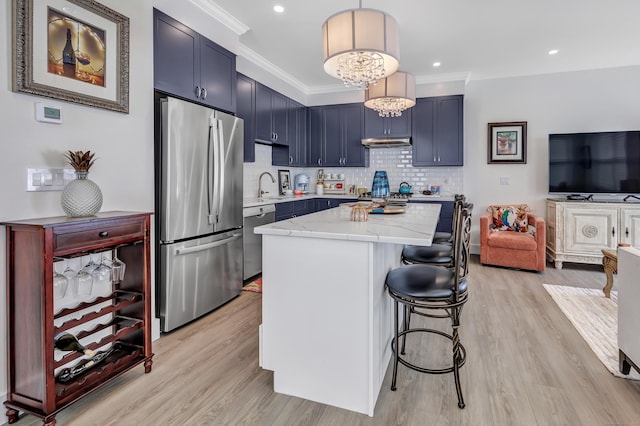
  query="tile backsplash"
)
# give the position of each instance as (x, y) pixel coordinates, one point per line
(396, 162)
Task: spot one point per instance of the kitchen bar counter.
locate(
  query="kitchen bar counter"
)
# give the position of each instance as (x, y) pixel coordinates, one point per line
(327, 320)
(275, 199)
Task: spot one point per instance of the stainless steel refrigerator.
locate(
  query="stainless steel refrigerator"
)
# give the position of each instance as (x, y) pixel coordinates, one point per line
(199, 207)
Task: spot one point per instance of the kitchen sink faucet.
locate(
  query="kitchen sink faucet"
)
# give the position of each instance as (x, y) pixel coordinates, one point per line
(260, 191)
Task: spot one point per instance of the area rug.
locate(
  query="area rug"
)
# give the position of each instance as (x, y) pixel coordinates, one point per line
(596, 319)
(254, 286)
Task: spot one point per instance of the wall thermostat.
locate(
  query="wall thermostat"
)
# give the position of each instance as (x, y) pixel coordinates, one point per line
(48, 113)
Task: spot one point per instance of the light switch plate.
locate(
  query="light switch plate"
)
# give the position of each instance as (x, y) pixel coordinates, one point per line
(49, 179)
(505, 180)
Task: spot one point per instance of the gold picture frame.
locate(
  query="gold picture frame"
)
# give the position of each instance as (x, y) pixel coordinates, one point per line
(94, 71)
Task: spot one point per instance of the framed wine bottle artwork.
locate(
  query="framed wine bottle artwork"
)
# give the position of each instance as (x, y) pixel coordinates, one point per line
(72, 50)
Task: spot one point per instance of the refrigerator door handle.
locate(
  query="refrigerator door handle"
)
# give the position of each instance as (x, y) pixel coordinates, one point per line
(208, 246)
(212, 187)
(220, 183)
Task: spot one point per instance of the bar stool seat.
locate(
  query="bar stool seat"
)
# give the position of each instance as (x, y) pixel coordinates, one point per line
(423, 282)
(441, 254)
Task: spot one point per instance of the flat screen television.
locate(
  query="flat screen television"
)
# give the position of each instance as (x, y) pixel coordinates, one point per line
(594, 163)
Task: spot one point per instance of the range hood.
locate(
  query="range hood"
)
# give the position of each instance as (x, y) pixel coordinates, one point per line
(385, 142)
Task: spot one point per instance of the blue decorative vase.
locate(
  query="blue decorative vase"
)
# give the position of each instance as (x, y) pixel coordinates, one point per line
(380, 187)
(81, 197)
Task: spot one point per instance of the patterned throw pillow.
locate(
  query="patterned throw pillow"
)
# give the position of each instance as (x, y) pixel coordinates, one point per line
(510, 218)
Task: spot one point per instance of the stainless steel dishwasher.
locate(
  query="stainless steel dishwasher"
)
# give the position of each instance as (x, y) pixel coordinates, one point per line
(251, 242)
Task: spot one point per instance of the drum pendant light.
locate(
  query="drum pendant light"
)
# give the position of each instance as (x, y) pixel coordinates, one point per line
(360, 46)
(392, 95)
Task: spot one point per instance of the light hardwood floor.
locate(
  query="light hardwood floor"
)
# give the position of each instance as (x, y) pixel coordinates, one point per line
(526, 365)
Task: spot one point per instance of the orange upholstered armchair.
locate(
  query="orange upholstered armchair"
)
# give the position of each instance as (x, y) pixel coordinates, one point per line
(512, 237)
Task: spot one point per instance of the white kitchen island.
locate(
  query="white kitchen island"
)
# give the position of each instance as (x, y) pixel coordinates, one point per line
(327, 321)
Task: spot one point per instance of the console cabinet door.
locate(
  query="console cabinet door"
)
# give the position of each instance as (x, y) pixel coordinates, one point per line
(630, 226)
(589, 230)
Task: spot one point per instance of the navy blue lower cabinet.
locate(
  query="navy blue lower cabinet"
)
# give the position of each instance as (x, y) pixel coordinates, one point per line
(292, 209)
(445, 221)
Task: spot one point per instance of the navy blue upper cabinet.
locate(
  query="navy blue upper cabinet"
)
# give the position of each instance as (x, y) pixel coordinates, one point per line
(246, 90)
(335, 135)
(384, 127)
(437, 131)
(191, 66)
(271, 116)
(294, 154)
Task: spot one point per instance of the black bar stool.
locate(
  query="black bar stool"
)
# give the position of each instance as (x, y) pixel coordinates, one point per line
(440, 252)
(435, 292)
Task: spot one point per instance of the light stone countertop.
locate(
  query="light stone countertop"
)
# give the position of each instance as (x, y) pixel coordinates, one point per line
(416, 226)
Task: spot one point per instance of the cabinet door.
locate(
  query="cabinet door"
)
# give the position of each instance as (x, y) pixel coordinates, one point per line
(246, 111)
(423, 132)
(355, 154)
(217, 76)
(449, 135)
(589, 230)
(297, 135)
(316, 132)
(284, 210)
(630, 230)
(332, 136)
(264, 129)
(400, 126)
(374, 125)
(176, 57)
(384, 127)
(279, 115)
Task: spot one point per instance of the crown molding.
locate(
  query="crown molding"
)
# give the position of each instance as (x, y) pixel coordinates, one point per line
(443, 78)
(221, 15)
(270, 67)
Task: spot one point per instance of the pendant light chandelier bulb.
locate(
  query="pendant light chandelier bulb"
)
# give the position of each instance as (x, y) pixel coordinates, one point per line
(392, 95)
(360, 46)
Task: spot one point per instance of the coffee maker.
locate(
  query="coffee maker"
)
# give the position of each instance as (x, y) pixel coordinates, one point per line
(301, 182)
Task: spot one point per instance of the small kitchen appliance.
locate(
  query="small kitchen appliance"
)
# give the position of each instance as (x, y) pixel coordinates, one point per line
(301, 183)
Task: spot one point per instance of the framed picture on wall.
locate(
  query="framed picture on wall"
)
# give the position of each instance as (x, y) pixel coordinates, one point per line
(507, 143)
(72, 50)
(284, 181)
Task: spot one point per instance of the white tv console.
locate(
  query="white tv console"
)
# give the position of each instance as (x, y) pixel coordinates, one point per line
(577, 231)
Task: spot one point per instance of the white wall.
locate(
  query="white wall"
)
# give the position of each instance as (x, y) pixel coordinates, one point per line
(586, 101)
(123, 142)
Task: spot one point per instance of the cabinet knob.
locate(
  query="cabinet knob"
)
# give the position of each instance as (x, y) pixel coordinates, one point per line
(198, 91)
(204, 93)
(613, 231)
(319, 161)
(103, 234)
(626, 231)
(290, 159)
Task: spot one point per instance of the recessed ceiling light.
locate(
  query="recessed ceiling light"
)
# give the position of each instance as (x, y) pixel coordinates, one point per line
(553, 52)
(436, 64)
(278, 8)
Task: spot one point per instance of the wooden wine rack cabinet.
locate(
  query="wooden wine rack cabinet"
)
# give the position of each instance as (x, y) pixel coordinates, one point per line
(32, 246)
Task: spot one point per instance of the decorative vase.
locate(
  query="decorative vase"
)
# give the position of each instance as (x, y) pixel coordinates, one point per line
(81, 197)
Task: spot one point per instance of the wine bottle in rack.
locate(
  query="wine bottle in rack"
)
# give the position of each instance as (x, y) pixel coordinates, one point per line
(69, 342)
